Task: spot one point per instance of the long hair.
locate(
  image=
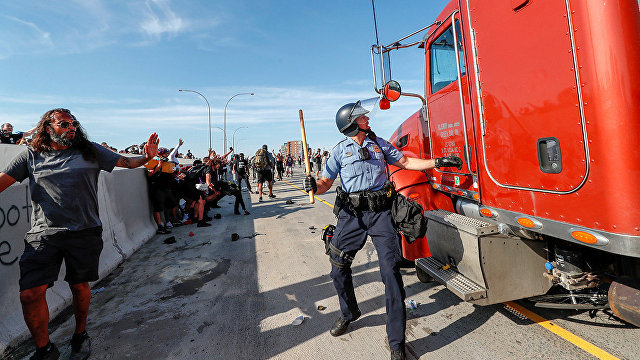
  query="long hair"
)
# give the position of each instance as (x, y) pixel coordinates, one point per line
(42, 140)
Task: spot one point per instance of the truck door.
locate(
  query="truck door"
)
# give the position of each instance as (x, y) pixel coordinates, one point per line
(448, 100)
(526, 66)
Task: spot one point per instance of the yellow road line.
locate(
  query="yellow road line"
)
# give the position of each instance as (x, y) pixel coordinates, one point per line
(315, 197)
(574, 339)
(565, 334)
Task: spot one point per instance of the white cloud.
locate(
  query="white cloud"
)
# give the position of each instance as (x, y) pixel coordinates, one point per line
(160, 19)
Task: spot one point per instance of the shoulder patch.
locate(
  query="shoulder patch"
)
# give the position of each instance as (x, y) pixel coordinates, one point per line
(376, 149)
(348, 153)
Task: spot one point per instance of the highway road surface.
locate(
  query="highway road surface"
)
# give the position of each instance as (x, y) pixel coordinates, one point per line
(208, 297)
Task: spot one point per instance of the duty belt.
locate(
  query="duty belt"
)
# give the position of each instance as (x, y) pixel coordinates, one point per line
(377, 200)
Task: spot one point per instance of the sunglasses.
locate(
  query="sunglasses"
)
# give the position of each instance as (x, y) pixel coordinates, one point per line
(65, 124)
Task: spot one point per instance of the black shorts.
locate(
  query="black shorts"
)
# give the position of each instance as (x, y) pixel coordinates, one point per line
(265, 175)
(162, 199)
(191, 193)
(44, 251)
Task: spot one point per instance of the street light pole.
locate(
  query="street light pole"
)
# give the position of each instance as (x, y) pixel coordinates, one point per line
(221, 129)
(233, 138)
(208, 107)
(225, 117)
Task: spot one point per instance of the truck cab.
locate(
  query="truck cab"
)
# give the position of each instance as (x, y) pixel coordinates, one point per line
(544, 121)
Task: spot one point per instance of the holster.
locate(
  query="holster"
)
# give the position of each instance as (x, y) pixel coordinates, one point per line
(342, 200)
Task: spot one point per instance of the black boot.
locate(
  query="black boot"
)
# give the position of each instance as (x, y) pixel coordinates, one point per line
(398, 355)
(49, 352)
(340, 326)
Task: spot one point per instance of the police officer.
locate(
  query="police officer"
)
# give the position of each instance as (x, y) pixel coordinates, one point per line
(360, 161)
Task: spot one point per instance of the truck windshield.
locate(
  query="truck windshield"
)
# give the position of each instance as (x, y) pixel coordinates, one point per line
(443, 59)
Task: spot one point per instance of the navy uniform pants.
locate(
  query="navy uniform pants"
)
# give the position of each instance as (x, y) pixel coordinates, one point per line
(350, 236)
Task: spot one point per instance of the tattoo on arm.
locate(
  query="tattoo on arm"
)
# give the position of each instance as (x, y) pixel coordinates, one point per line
(131, 162)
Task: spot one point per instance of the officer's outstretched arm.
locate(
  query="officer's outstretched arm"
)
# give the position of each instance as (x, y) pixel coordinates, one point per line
(426, 164)
(410, 163)
(323, 185)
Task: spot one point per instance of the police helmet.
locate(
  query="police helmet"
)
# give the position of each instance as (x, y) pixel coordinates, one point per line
(264, 146)
(241, 155)
(347, 115)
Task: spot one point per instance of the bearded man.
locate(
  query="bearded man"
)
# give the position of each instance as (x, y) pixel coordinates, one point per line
(63, 167)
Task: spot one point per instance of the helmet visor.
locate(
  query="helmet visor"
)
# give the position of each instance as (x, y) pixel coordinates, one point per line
(362, 107)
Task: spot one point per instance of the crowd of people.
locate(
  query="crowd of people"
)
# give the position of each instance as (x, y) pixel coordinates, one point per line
(182, 195)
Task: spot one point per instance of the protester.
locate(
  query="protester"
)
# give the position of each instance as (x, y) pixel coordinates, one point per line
(361, 152)
(63, 167)
(242, 166)
(194, 193)
(317, 159)
(264, 162)
(289, 166)
(279, 165)
(161, 179)
(221, 188)
(8, 137)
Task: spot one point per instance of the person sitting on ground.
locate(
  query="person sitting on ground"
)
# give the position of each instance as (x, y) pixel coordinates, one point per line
(195, 192)
(8, 137)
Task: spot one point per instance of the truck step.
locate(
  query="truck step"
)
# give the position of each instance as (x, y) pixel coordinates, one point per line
(461, 222)
(457, 283)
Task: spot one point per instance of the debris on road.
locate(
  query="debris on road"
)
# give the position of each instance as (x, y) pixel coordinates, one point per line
(235, 237)
(95, 291)
(170, 240)
(320, 307)
(298, 320)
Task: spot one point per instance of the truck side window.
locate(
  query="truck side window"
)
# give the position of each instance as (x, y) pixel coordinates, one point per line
(443, 59)
(402, 142)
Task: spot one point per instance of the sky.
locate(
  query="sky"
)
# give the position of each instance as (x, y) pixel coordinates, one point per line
(118, 66)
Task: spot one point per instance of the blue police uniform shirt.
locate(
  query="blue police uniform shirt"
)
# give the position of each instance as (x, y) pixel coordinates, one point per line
(357, 174)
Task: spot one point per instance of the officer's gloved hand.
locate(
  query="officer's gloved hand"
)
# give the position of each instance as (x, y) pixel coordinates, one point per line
(310, 184)
(449, 161)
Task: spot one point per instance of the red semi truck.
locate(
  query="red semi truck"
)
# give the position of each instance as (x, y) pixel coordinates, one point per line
(541, 99)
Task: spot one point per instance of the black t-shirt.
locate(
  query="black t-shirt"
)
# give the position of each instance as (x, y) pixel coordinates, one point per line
(242, 165)
(10, 138)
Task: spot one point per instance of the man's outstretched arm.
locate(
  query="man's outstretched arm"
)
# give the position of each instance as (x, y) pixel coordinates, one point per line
(150, 150)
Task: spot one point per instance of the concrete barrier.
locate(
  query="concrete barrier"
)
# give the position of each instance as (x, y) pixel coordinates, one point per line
(126, 220)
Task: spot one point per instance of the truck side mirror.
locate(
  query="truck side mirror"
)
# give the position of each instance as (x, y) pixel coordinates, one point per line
(392, 90)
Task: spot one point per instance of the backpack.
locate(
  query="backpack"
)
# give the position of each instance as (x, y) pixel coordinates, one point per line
(196, 173)
(261, 161)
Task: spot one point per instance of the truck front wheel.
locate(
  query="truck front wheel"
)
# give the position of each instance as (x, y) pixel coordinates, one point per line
(423, 276)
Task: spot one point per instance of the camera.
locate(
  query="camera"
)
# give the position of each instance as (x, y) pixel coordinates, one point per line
(364, 153)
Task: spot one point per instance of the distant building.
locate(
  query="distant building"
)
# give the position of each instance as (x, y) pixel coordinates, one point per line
(292, 147)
